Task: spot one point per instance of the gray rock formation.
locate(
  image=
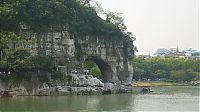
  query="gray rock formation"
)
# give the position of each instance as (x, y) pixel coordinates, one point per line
(110, 88)
(81, 80)
(108, 55)
(78, 85)
(70, 52)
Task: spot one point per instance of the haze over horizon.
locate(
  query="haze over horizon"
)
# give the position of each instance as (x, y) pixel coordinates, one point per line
(159, 23)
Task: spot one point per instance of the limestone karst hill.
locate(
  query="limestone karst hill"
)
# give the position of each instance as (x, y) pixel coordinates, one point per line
(49, 38)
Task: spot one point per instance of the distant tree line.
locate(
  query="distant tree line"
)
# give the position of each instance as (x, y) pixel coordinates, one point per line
(169, 69)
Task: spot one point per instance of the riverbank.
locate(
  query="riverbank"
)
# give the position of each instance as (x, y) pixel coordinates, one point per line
(76, 84)
(166, 98)
(155, 83)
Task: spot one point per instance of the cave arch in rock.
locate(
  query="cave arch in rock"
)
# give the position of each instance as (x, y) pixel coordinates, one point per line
(104, 67)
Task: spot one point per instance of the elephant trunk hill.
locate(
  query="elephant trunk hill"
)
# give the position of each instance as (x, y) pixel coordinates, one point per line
(45, 43)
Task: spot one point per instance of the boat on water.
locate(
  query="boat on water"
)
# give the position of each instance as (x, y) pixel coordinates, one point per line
(146, 90)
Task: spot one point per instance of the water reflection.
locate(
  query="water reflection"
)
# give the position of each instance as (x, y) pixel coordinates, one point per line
(66, 103)
(181, 98)
(164, 99)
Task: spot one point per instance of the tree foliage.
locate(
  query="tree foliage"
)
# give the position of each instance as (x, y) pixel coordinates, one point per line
(177, 69)
(15, 59)
(117, 20)
(92, 67)
(40, 15)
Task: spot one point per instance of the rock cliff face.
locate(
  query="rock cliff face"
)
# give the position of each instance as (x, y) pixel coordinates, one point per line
(110, 58)
(71, 51)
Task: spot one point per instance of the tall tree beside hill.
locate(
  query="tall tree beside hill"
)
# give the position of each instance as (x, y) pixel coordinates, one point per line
(15, 58)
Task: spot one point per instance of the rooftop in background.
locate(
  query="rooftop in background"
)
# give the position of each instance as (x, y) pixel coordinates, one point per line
(162, 51)
(174, 52)
(191, 50)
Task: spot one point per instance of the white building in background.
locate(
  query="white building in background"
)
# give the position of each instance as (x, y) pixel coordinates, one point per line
(192, 54)
(174, 52)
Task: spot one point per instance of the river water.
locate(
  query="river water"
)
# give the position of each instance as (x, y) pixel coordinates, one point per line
(175, 98)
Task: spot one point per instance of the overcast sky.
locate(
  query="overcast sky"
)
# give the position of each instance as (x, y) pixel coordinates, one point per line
(159, 23)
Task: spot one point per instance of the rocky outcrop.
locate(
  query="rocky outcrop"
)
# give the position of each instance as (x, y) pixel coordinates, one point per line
(85, 81)
(79, 84)
(110, 88)
(195, 83)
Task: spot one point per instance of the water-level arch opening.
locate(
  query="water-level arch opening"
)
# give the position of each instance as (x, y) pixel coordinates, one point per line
(103, 67)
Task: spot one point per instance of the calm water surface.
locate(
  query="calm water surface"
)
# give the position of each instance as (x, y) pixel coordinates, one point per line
(164, 99)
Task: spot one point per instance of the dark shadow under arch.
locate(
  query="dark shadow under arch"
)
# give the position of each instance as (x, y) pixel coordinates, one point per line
(104, 67)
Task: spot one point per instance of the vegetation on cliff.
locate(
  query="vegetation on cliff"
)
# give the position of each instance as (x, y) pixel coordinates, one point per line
(16, 61)
(43, 15)
(40, 16)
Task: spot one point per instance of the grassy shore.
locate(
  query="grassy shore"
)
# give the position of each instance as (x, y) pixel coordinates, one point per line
(152, 83)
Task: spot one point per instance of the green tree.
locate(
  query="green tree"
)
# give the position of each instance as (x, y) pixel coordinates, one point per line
(117, 20)
(92, 67)
(15, 58)
(95, 71)
(177, 69)
(179, 75)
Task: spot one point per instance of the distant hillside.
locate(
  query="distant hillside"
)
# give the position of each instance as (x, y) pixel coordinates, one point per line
(162, 51)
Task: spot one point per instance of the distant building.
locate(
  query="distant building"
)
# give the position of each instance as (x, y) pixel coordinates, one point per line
(174, 52)
(192, 54)
(162, 52)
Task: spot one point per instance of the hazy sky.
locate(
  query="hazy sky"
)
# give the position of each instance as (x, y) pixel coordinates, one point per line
(159, 23)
